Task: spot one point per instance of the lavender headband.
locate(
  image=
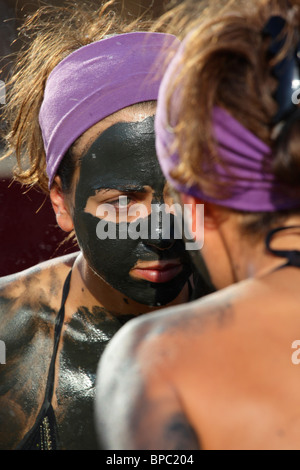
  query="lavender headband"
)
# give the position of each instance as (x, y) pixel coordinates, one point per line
(98, 80)
(253, 186)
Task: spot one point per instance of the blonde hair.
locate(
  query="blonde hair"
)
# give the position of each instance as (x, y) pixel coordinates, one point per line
(226, 63)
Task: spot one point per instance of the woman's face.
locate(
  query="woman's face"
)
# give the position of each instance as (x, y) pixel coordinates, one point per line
(122, 215)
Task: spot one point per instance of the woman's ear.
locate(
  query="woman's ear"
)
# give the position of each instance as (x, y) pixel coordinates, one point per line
(60, 206)
(213, 215)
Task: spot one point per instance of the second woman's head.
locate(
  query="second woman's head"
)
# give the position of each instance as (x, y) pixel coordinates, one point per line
(228, 128)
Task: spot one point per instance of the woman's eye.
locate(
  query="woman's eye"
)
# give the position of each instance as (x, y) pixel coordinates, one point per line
(122, 202)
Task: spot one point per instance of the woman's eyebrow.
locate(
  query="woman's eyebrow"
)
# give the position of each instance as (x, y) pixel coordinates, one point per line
(124, 189)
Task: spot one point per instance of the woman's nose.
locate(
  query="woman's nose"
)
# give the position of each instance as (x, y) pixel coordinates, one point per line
(161, 228)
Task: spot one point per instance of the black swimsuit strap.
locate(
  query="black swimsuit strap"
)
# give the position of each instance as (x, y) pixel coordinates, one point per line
(31, 438)
(58, 327)
(293, 256)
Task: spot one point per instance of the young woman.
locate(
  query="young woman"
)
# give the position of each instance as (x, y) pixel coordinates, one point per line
(81, 109)
(221, 373)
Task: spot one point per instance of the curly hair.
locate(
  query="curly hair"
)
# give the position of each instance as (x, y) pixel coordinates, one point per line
(226, 63)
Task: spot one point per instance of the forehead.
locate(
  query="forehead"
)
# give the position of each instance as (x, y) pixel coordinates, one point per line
(123, 155)
(134, 113)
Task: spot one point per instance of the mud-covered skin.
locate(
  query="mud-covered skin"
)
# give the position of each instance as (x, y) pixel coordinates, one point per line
(124, 158)
(84, 339)
(29, 303)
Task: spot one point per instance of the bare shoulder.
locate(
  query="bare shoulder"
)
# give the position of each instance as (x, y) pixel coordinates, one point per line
(228, 319)
(153, 342)
(39, 272)
(34, 291)
(253, 323)
(138, 371)
(172, 364)
(194, 318)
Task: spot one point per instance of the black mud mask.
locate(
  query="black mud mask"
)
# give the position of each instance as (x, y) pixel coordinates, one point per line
(124, 158)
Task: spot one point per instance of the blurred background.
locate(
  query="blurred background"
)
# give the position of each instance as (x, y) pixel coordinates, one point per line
(28, 230)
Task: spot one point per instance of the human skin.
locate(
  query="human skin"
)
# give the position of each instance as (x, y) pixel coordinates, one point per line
(124, 157)
(242, 393)
(81, 204)
(94, 312)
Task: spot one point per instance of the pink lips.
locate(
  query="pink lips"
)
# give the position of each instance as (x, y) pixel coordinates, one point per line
(159, 272)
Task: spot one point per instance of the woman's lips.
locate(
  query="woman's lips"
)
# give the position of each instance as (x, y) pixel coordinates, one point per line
(158, 273)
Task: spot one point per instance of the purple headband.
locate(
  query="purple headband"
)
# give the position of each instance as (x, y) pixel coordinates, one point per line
(96, 81)
(253, 186)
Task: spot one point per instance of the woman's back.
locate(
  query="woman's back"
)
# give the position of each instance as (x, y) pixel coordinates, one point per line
(231, 363)
(249, 400)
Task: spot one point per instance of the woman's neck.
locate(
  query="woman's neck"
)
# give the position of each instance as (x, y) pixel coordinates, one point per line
(255, 260)
(89, 290)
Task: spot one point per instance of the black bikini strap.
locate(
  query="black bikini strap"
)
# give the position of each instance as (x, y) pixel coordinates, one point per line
(57, 332)
(29, 440)
(293, 256)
